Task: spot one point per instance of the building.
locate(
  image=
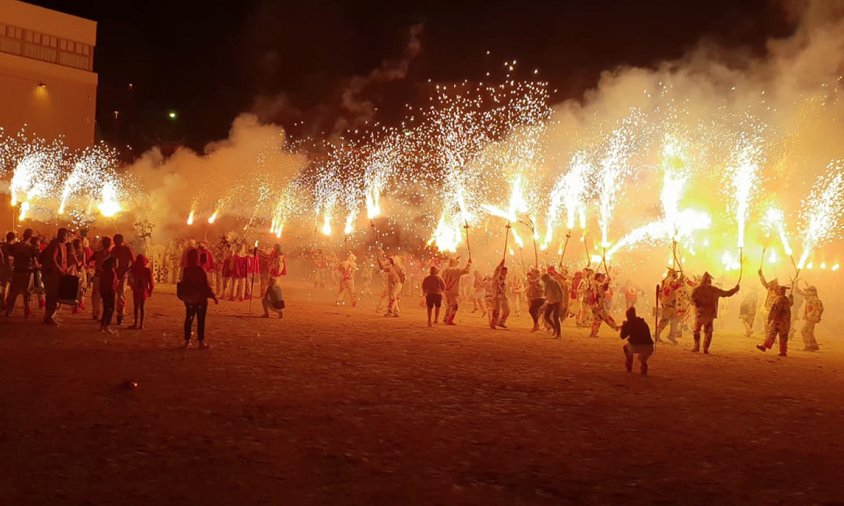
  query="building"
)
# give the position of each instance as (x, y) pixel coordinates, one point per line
(47, 80)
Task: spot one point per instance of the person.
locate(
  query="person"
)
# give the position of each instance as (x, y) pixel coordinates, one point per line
(705, 298)
(6, 261)
(598, 304)
(394, 275)
(478, 293)
(142, 286)
(639, 342)
(273, 299)
(206, 260)
(366, 278)
(347, 269)
(24, 262)
(55, 264)
(668, 289)
(125, 258)
(812, 313)
(517, 291)
(779, 322)
(109, 282)
(772, 288)
(76, 267)
(433, 287)
(195, 292)
(797, 294)
(584, 292)
(747, 312)
(554, 296)
(277, 264)
(99, 257)
(631, 295)
(240, 271)
(451, 277)
(535, 295)
(500, 305)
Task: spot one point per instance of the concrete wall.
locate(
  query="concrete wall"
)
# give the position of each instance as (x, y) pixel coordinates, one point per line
(49, 98)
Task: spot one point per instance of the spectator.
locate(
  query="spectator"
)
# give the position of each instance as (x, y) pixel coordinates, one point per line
(194, 290)
(142, 285)
(273, 299)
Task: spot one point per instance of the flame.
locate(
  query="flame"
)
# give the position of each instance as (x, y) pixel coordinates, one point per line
(350, 223)
(108, 206)
(326, 224)
(24, 210)
(213, 217)
(447, 236)
(730, 262)
(191, 216)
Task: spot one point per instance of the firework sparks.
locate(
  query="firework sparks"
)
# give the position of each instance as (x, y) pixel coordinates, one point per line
(822, 210)
(743, 179)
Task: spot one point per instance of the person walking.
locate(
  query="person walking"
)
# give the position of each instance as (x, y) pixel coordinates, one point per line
(125, 258)
(536, 296)
(705, 298)
(554, 295)
(194, 290)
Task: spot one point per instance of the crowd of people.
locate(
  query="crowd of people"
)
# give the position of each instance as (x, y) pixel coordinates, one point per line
(70, 271)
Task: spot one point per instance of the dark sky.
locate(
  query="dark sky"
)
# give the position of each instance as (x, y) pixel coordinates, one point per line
(210, 63)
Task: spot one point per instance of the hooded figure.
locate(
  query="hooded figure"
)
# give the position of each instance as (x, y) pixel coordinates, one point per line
(747, 312)
(451, 277)
(812, 313)
(705, 298)
(500, 305)
(347, 269)
(772, 288)
(394, 277)
(779, 322)
(668, 290)
(600, 287)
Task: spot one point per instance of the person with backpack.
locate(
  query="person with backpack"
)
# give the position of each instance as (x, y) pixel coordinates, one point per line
(194, 290)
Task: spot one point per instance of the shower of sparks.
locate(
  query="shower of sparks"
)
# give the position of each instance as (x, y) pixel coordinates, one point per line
(821, 211)
(109, 206)
(614, 168)
(775, 220)
(569, 192)
(743, 179)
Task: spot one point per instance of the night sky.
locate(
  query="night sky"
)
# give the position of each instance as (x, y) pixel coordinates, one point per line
(291, 61)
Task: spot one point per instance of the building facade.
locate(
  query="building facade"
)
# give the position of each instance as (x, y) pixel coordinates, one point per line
(47, 82)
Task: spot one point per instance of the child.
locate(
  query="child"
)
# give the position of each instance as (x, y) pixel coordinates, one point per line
(639, 341)
(108, 291)
(433, 287)
(142, 286)
(273, 299)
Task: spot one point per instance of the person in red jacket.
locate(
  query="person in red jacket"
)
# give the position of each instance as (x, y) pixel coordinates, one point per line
(142, 285)
(109, 282)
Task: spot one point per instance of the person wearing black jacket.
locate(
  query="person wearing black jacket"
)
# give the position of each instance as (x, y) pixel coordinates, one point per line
(639, 341)
(195, 292)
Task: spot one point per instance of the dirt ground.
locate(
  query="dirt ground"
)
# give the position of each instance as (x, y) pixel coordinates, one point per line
(342, 406)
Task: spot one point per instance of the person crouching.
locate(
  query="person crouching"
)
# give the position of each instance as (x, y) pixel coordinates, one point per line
(273, 299)
(639, 341)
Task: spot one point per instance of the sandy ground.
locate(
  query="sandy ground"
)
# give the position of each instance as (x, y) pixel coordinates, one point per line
(342, 406)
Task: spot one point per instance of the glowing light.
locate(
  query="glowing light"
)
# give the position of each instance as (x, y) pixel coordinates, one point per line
(24, 210)
(213, 217)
